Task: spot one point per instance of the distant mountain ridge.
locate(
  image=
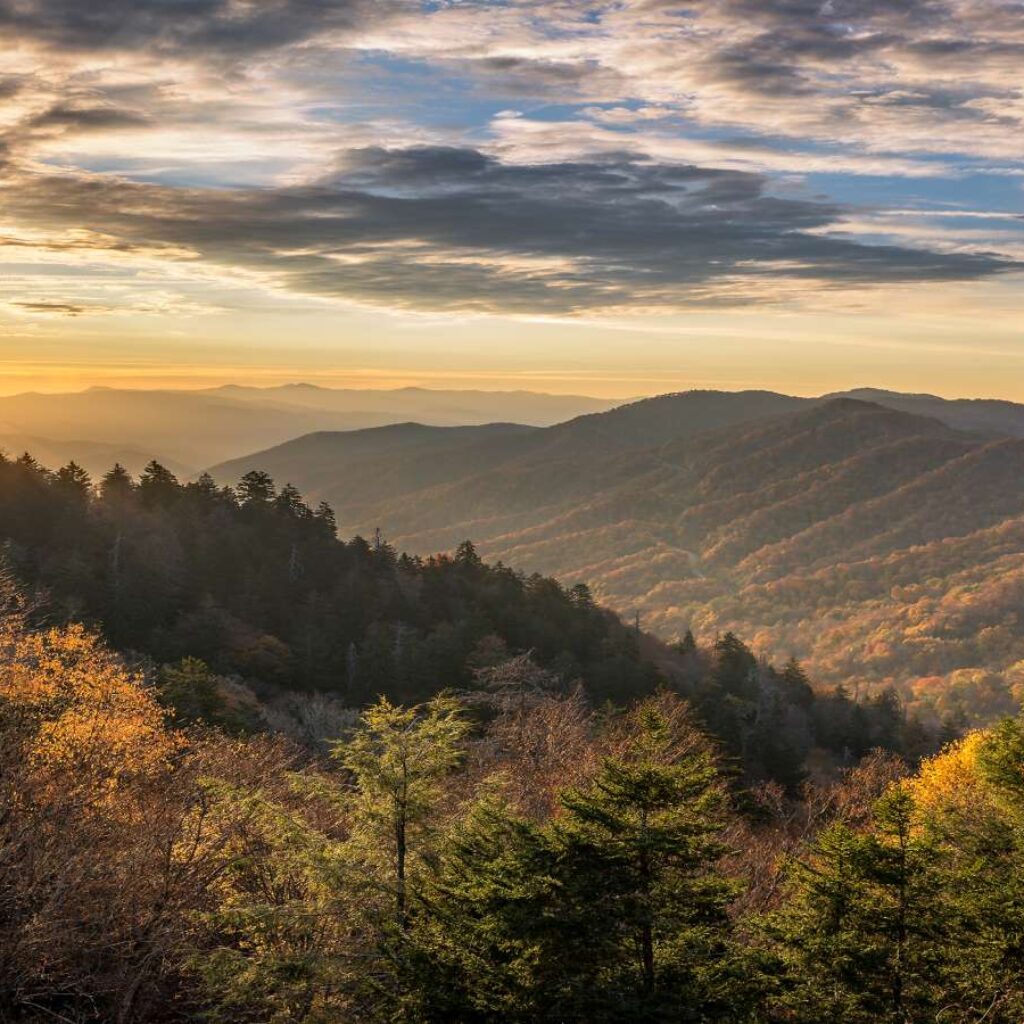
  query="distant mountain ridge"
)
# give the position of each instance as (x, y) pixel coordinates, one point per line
(985, 415)
(196, 428)
(190, 429)
(833, 529)
(442, 407)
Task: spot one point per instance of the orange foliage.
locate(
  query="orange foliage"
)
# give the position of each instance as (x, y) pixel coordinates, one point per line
(78, 709)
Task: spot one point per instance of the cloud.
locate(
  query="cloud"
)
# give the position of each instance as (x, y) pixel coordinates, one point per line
(184, 28)
(453, 229)
(75, 118)
(803, 69)
(350, 149)
(10, 86)
(51, 308)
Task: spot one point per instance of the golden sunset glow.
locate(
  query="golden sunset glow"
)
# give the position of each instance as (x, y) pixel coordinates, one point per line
(615, 198)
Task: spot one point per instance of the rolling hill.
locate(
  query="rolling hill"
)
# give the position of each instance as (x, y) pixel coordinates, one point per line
(987, 415)
(878, 544)
(195, 428)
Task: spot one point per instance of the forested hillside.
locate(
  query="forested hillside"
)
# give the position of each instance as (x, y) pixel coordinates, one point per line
(986, 415)
(880, 546)
(255, 616)
(256, 583)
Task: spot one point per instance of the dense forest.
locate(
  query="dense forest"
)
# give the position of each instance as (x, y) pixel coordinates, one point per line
(511, 854)
(250, 613)
(256, 584)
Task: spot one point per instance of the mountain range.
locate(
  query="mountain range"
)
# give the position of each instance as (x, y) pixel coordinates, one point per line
(878, 536)
(187, 430)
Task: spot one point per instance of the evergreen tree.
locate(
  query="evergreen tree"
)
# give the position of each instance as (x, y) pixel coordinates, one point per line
(479, 951)
(796, 684)
(256, 489)
(863, 934)
(158, 485)
(289, 503)
(647, 937)
(116, 486)
(612, 912)
(466, 556)
(325, 516)
(398, 758)
(205, 492)
(688, 645)
(73, 482)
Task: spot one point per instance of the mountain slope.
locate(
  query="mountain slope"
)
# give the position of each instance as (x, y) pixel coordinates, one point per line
(788, 526)
(985, 415)
(385, 462)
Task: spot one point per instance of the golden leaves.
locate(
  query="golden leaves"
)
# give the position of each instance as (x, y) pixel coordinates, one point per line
(77, 708)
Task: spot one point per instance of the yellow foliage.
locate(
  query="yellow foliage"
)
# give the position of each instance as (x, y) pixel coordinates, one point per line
(950, 782)
(78, 708)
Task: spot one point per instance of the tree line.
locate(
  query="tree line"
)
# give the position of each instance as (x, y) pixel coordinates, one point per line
(255, 582)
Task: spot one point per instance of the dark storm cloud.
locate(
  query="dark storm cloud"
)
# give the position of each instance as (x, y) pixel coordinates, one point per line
(453, 229)
(183, 27)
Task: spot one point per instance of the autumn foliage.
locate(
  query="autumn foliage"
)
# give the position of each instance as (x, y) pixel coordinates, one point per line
(497, 855)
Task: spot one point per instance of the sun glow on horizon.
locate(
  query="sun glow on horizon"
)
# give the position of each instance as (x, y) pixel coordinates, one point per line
(572, 199)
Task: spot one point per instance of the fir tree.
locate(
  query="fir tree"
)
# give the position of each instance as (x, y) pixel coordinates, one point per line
(612, 912)
(865, 938)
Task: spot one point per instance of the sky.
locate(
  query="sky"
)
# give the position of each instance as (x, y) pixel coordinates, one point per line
(612, 198)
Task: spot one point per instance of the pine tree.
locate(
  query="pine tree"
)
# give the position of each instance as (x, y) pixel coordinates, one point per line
(640, 844)
(478, 950)
(289, 503)
(324, 515)
(688, 645)
(796, 684)
(467, 557)
(73, 482)
(158, 485)
(116, 486)
(255, 489)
